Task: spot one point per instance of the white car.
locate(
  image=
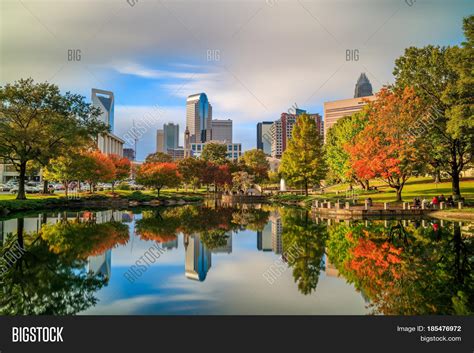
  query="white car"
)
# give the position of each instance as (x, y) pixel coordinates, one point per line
(28, 189)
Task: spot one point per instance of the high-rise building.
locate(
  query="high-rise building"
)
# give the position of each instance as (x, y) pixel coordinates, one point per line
(264, 140)
(171, 136)
(363, 87)
(129, 153)
(222, 130)
(199, 118)
(160, 140)
(282, 129)
(107, 143)
(335, 110)
(176, 153)
(234, 150)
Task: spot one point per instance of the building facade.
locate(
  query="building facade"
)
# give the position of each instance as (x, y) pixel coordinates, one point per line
(160, 141)
(129, 153)
(282, 129)
(171, 136)
(176, 153)
(199, 118)
(234, 150)
(222, 130)
(335, 110)
(264, 140)
(107, 143)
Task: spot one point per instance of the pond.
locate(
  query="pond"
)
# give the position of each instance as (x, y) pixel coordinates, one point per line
(251, 259)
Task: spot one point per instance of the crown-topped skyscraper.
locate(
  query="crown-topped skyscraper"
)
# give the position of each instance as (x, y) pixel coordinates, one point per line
(363, 87)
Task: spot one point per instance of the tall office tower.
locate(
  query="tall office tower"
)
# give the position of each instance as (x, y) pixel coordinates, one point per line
(160, 141)
(105, 101)
(222, 130)
(129, 153)
(363, 88)
(197, 258)
(107, 143)
(264, 140)
(171, 136)
(199, 118)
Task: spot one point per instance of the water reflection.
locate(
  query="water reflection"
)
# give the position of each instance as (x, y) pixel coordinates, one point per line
(73, 262)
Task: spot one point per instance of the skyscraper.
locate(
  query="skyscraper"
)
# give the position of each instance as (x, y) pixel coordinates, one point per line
(107, 143)
(171, 136)
(363, 88)
(222, 130)
(199, 118)
(264, 140)
(160, 141)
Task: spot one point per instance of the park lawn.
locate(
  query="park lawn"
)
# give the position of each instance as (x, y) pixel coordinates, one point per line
(414, 187)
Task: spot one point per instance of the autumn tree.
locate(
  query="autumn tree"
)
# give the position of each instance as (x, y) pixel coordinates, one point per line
(191, 170)
(158, 175)
(340, 135)
(98, 167)
(38, 123)
(242, 181)
(383, 150)
(158, 157)
(303, 161)
(255, 162)
(214, 152)
(122, 168)
(442, 77)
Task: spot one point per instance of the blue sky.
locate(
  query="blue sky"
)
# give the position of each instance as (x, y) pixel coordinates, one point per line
(270, 54)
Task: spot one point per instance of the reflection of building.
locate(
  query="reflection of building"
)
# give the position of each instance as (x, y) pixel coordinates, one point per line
(264, 238)
(107, 143)
(264, 141)
(101, 264)
(199, 118)
(222, 130)
(277, 230)
(197, 258)
(225, 248)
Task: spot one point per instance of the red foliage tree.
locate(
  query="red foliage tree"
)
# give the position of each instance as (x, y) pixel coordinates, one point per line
(99, 168)
(158, 175)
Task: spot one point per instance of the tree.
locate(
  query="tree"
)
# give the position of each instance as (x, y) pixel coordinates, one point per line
(303, 161)
(158, 157)
(98, 167)
(214, 152)
(65, 169)
(37, 123)
(442, 77)
(191, 170)
(383, 149)
(122, 168)
(158, 175)
(256, 163)
(242, 181)
(341, 134)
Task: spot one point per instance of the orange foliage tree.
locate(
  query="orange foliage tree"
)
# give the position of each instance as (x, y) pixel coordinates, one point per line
(99, 168)
(158, 175)
(385, 149)
(122, 168)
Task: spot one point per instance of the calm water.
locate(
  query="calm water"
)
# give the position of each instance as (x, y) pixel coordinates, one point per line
(246, 260)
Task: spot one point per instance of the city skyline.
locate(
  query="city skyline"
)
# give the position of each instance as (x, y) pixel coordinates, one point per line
(196, 51)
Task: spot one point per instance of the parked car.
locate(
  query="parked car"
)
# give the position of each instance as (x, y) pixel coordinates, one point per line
(28, 189)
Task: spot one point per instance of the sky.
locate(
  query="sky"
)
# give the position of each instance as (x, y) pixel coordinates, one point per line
(255, 59)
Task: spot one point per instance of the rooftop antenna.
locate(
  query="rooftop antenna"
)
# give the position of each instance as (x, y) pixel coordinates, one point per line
(135, 138)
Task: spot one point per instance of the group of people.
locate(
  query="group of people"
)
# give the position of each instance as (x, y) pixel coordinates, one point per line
(435, 201)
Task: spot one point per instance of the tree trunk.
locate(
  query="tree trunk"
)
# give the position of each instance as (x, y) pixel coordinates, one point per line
(306, 187)
(399, 193)
(45, 187)
(113, 184)
(21, 183)
(437, 176)
(66, 188)
(455, 184)
(158, 191)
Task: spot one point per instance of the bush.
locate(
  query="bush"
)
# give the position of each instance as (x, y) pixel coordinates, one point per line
(139, 196)
(123, 186)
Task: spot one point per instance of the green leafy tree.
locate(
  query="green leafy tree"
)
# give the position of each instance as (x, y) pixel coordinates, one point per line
(38, 123)
(256, 163)
(215, 152)
(242, 181)
(158, 157)
(442, 77)
(341, 134)
(303, 161)
(191, 170)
